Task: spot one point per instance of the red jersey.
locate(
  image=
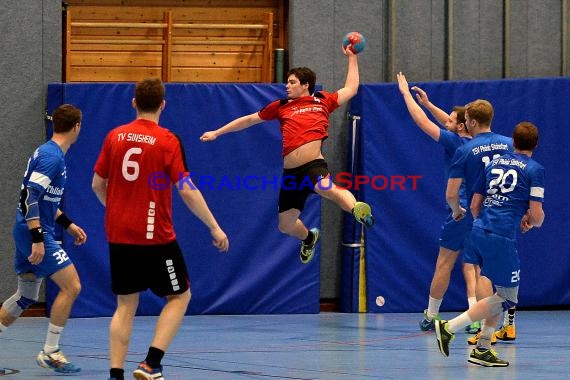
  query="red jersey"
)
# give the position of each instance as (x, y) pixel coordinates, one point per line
(302, 120)
(141, 161)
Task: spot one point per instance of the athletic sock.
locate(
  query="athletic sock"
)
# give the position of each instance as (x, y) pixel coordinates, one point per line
(3, 328)
(459, 322)
(52, 338)
(433, 307)
(117, 373)
(154, 357)
(485, 338)
(471, 301)
(510, 317)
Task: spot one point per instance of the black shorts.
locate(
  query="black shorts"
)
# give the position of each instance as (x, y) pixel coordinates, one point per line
(298, 183)
(136, 268)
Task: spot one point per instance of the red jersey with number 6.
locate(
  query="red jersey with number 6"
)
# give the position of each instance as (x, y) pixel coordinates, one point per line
(302, 120)
(141, 161)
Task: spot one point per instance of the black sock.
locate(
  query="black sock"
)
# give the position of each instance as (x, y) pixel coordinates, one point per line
(309, 238)
(154, 357)
(511, 313)
(117, 373)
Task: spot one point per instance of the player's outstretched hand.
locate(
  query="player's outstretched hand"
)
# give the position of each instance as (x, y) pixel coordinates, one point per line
(421, 96)
(402, 83)
(346, 51)
(78, 233)
(208, 136)
(220, 239)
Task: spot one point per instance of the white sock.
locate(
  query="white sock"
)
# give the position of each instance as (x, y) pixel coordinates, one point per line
(505, 318)
(471, 301)
(433, 307)
(509, 318)
(459, 322)
(2, 327)
(52, 338)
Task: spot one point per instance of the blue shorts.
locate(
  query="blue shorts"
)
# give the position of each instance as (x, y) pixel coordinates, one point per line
(496, 255)
(453, 233)
(55, 257)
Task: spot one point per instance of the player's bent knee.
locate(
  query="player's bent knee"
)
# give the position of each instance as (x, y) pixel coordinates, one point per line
(71, 289)
(76, 289)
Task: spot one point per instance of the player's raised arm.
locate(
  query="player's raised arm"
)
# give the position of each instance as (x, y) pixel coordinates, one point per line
(352, 78)
(416, 112)
(422, 97)
(233, 126)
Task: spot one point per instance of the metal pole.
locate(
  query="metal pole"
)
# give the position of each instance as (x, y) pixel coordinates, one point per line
(449, 45)
(564, 50)
(506, 38)
(392, 41)
(279, 64)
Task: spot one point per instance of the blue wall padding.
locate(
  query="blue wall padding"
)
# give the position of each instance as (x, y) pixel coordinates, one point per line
(402, 247)
(262, 272)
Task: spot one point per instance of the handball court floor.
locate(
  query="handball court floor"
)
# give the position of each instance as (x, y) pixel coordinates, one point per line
(298, 346)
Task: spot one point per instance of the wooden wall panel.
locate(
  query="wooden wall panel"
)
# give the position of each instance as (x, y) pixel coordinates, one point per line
(114, 74)
(131, 52)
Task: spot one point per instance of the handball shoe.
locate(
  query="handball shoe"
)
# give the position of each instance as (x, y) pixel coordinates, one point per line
(145, 372)
(444, 337)
(473, 328)
(426, 324)
(506, 333)
(308, 250)
(56, 361)
(486, 358)
(363, 214)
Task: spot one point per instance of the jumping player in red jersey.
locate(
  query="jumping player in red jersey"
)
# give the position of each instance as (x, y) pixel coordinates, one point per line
(144, 253)
(304, 120)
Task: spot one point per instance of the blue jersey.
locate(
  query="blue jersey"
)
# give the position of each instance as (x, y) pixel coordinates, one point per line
(471, 158)
(450, 142)
(510, 181)
(45, 174)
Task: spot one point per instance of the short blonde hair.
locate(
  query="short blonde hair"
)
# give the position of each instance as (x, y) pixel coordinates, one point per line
(480, 110)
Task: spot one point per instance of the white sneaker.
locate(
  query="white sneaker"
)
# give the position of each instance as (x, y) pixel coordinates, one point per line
(56, 361)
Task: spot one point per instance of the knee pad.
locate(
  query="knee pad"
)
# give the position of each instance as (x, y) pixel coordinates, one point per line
(509, 296)
(503, 299)
(27, 294)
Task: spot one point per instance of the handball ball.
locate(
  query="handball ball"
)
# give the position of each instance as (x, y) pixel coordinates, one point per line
(355, 41)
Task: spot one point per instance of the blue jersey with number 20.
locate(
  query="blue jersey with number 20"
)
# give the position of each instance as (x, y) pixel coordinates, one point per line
(509, 183)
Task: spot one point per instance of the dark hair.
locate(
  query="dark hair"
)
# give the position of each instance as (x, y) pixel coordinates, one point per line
(480, 110)
(460, 111)
(65, 117)
(305, 75)
(525, 136)
(149, 94)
